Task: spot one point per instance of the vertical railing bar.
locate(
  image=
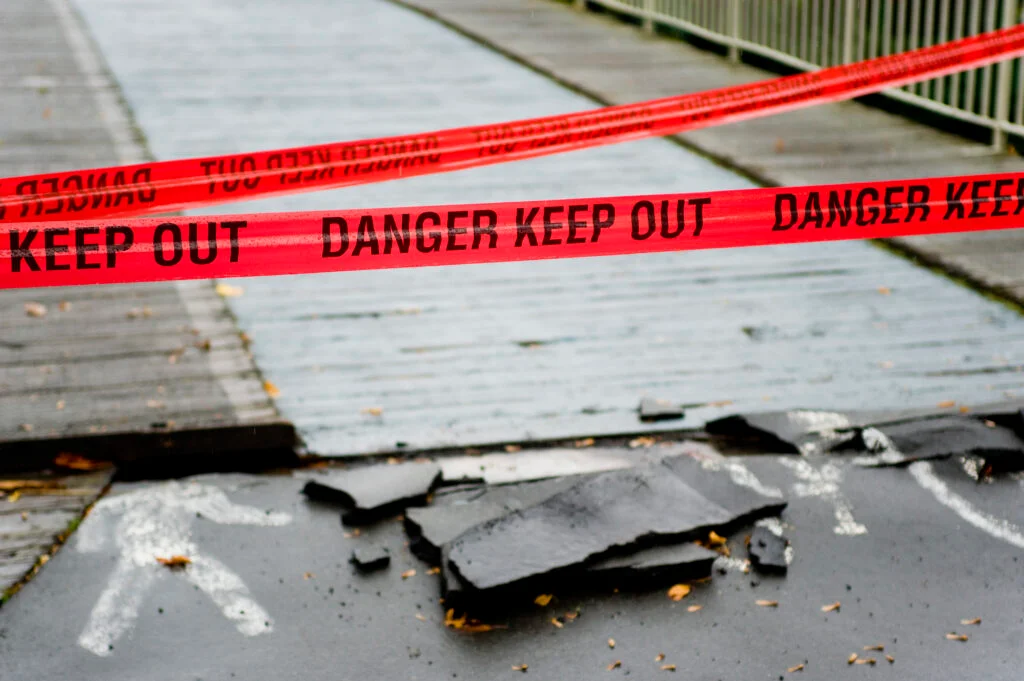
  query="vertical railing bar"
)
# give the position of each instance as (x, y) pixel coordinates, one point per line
(942, 36)
(958, 32)
(1004, 82)
(915, 35)
(734, 30)
(971, 77)
(985, 106)
(861, 41)
(876, 27)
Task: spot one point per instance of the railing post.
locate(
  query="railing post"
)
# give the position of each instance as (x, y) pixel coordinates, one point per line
(734, 31)
(1004, 70)
(849, 22)
(648, 16)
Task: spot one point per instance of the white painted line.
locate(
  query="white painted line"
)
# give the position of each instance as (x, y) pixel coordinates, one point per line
(156, 523)
(729, 564)
(741, 475)
(824, 484)
(924, 474)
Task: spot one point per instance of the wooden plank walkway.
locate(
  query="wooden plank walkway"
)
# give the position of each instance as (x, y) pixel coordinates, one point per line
(614, 62)
(122, 372)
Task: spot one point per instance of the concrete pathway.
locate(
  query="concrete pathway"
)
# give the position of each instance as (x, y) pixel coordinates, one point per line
(844, 142)
(486, 354)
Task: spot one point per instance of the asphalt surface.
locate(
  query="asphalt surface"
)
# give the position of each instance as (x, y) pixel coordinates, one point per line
(912, 576)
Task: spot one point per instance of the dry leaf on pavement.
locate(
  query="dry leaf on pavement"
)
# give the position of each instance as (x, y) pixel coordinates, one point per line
(679, 592)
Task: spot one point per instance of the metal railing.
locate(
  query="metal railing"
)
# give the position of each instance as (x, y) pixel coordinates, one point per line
(811, 34)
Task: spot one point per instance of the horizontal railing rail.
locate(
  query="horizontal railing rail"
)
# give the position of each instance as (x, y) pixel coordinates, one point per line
(812, 34)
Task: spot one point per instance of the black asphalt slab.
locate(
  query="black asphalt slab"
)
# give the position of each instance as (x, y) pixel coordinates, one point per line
(919, 570)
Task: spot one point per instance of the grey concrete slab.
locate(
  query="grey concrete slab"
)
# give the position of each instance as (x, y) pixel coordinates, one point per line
(140, 361)
(916, 570)
(383, 361)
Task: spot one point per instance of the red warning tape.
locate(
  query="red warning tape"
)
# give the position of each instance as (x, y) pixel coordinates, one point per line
(173, 185)
(161, 249)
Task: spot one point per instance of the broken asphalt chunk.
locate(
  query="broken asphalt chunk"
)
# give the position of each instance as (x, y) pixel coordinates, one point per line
(659, 410)
(450, 515)
(768, 551)
(370, 558)
(375, 492)
(801, 431)
(934, 438)
(613, 510)
(653, 567)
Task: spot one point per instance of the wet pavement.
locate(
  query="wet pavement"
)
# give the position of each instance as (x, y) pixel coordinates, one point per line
(934, 548)
(383, 361)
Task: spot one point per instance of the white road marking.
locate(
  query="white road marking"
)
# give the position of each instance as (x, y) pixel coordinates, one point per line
(824, 483)
(997, 527)
(741, 475)
(156, 522)
(727, 563)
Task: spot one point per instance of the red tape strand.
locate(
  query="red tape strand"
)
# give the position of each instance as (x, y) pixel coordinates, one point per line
(175, 185)
(162, 249)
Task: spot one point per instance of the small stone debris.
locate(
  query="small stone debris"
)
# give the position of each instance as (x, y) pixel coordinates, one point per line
(652, 410)
(766, 603)
(659, 657)
(890, 659)
(611, 643)
(694, 608)
(865, 660)
(557, 623)
(953, 636)
(37, 310)
(668, 667)
(615, 665)
(520, 668)
(831, 607)
(970, 622)
(878, 647)
(768, 551)
(796, 668)
(852, 658)
(409, 573)
(370, 558)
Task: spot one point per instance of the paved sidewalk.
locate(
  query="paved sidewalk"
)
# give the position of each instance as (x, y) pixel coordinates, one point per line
(503, 353)
(115, 372)
(616, 63)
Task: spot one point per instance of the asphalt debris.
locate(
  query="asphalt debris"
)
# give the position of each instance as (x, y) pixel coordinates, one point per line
(768, 551)
(373, 492)
(799, 431)
(615, 510)
(370, 558)
(652, 410)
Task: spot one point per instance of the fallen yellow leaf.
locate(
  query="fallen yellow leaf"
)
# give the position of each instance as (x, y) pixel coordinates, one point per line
(229, 291)
(175, 562)
(543, 599)
(679, 592)
(271, 389)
